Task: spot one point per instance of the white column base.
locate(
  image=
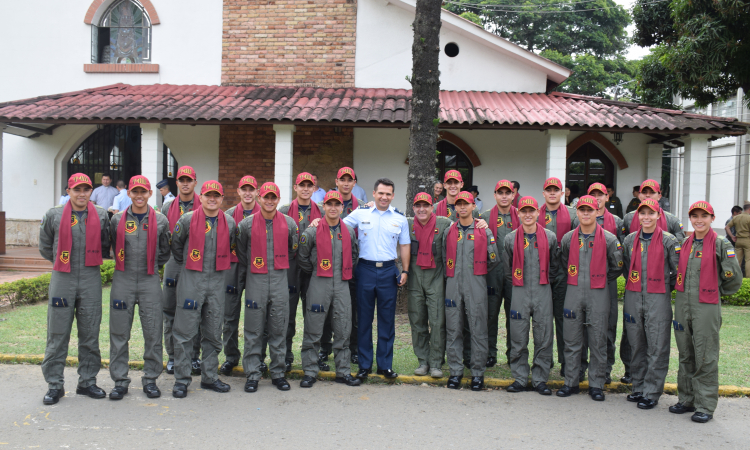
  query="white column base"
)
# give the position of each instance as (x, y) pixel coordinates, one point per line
(557, 149)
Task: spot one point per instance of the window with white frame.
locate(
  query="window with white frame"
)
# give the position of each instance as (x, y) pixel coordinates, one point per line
(123, 35)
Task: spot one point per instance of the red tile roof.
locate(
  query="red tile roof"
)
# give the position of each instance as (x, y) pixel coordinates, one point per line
(351, 106)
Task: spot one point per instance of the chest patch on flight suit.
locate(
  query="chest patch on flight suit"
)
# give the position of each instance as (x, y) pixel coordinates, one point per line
(460, 236)
(437, 231)
(130, 226)
(547, 219)
(500, 221)
(470, 237)
(73, 220)
(59, 302)
(208, 226)
(730, 253)
(340, 237)
(525, 243)
(591, 244)
(259, 262)
(301, 216)
(698, 254)
(634, 276)
(121, 254)
(195, 255)
(65, 256)
(119, 304)
(580, 243)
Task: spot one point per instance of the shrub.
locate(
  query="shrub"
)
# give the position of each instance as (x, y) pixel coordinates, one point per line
(741, 298)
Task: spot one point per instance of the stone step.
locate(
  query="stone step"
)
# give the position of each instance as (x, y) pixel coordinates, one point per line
(24, 268)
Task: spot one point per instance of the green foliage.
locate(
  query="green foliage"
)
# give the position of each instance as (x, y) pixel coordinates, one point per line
(656, 85)
(470, 16)
(107, 270)
(653, 23)
(593, 75)
(741, 298)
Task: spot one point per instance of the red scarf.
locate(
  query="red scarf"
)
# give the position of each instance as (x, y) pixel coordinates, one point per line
(174, 213)
(150, 241)
(609, 222)
(355, 204)
(442, 208)
(655, 265)
(598, 267)
(495, 212)
(197, 242)
(65, 238)
(635, 224)
(314, 213)
(323, 239)
(563, 220)
(480, 250)
(425, 235)
(518, 255)
(709, 277)
(238, 215)
(258, 248)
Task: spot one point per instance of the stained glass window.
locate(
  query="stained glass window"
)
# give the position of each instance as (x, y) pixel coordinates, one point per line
(123, 35)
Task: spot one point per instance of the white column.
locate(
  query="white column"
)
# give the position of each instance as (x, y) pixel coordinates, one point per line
(695, 182)
(2, 129)
(557, 149)
(654, 162)
(283, 160)
(152, 151)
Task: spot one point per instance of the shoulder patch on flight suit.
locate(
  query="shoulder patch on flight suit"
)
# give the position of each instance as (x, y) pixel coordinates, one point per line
(728, 274)
(437, 231)
(303, 239)
(730, 253)
(619, 263)
(119, 304)
(680, 225)
(492, 255)
(677, 249)
(619, 246)
(59, 302)
(42, 223)
(177, 228)
(190, 304)
(492, 239)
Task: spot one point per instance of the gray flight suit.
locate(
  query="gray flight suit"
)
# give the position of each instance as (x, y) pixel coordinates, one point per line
(327, 296)
(560, 286)
(588, 309)
(466, 302)
(81, 290)
(426, 299)
(171, 279)
(452, 215)
(648, 317)
(298, 280)
(200, 301)
(532, 300)
(497, 288)
(135, 286)
(697, 326)
(266, 300)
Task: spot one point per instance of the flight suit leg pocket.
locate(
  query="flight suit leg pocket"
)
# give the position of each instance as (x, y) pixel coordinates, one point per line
(250, 304)
(119, 323)
(190, 304)
(491, 290)
(292, 289)
(450, 303)
(317, 308)
(60, 315)
(569, 313)
(231, 289)
(170, 282)
(629, 318)
(515, 315)
(677, 326)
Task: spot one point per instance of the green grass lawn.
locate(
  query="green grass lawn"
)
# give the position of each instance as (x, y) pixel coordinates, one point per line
(23, 331)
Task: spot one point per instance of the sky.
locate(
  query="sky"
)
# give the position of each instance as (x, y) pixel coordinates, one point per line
(634, 52)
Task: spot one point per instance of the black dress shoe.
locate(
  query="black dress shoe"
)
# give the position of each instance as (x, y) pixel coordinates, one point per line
(287, 367)
(226, 368)
(454, 382)
(281, 384)
(647, 403)
(151, 390)
(388, 373)
(348, 380)
(567, 391)
(323, 355)
(354, 359)
(118, 392)
(581, 375)
(516, 387)
(607, 379)
(362, 374)
(307, 381)
(251, 386)
(195, 366)
(635, 397)
(216, 386)
(92, 391)
(323, 366)
(170, 367)
(53, 396)
(263, 367)
(491, 361)
(562, 370)
(179, 390)
(477, 383)
(542, 389)
(701, 417)
(596, 394)
(679, 408)
(626, 379)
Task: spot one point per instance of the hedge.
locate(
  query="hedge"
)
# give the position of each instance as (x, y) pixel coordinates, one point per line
(741, 298)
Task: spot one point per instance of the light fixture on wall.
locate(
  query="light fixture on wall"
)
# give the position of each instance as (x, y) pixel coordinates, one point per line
(618, 138)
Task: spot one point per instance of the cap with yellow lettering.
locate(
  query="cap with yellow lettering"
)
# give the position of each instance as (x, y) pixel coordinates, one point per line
(139, 181)
(346, 171)
(304, 176)
(186, 171)
(248, 180)
(269, 188)
(333, 195)
(78, 179)
(651, 184)
(704, 205)
(504, 184)
(212, 186)
(552, 181)
(465, 196)
(587, 200)
(422, 197)
(528, 202)
(649, 203)
(453, 174)
(597, 187)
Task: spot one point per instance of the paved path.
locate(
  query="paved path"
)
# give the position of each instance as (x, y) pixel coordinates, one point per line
(331, 415)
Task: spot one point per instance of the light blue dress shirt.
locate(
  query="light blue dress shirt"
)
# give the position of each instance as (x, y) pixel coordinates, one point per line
(167, 198)
(319, 195)
(379, 232)
(104, 196)
(122, 201)
(360, 193)
(64, 199)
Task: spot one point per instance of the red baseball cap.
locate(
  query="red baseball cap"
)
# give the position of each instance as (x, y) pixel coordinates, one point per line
(212, 186)
(528, 202)
(552, 181)
(248, 180)
(651, 184)
(465, 196)
(269, 188)
(333, 195)
(597, 187)
(705, 206)
(346, 171)
(186, 171)
(79, 178)
(649, 203)
(504, 184)
(422, 197)
(587, 200)
(139, 181)
(304, 176)
(454, 174)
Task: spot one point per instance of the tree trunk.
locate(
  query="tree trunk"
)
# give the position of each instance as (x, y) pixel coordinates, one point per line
(425, 103)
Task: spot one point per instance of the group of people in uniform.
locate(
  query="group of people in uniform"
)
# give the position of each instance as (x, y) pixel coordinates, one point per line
(553, 269)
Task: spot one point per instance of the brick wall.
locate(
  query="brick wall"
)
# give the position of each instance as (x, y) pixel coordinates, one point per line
(289, 42)
(249, 150)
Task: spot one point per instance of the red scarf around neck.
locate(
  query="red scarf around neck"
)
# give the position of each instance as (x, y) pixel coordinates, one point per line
(442, 208)
(480, 250)
(197, 241)
(65, 238)
(323, 241)
(258, 244)
(150, 240)
(609, 222)
(563, 220)
(425, 235)
(294, 211)
(238, 215)
(354, 204)
(654, 265)
(598, 267)
(709, 276)
(495, 212)
(635, 224)
(174, 213)
(519, 245)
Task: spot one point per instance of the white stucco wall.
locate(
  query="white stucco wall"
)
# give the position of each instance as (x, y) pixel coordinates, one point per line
(196, 146)
(47, 45)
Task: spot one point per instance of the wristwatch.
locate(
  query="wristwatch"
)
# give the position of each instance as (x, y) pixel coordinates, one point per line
(405, 271)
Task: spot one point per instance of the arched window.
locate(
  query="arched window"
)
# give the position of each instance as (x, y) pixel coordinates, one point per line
(114, 149)
(450, 157)
(589, 165)
(123, 35)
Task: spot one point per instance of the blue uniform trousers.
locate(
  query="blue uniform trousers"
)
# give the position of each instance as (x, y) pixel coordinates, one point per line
(376, 283)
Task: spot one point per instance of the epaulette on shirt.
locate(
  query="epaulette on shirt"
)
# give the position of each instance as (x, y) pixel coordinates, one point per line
(364, 207)
(396, 209)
